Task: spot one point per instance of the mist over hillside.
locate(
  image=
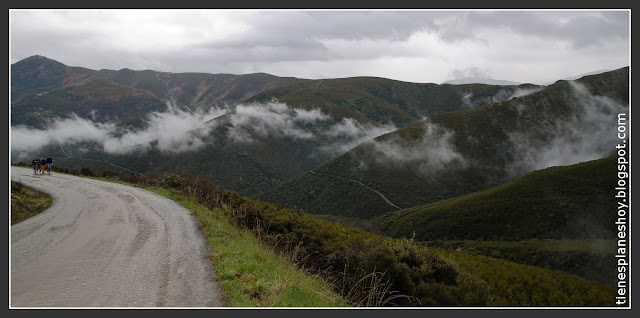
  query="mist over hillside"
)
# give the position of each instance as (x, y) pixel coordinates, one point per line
(149, 122)
(286, 140)
(559, 202)
(460, 152)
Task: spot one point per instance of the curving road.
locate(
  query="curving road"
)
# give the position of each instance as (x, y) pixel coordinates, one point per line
(108, 245)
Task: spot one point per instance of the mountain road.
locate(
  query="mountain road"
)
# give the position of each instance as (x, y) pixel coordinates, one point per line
(103, 244)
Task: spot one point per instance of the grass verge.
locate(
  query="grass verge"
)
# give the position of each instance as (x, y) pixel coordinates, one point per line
(418, 275)
(250, 273)
(27, 202)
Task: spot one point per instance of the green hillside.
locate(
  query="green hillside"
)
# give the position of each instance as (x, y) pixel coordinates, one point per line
(593, 259)
(195, 90)
(554, 203)
(103, 100)
(126, 96)
(456, 153)
(38, 74)
(384, 100)
(369, 269)
(487, 281)
(247, 167)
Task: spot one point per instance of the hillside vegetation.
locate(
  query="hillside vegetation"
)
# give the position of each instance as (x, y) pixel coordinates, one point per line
(554, 203)
(386, 101)
(52, 89)
(592, 259)
(27, 202)
(460, 152)
(38, 74)
(355, 107)
(103, 100)
(371, 270)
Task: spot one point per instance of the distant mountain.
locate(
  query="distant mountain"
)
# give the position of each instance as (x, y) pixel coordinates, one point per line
(274, 131)
(479, 80)
(388, 101)
(350, 112)
(99, 100)
(343, 113)
(456, 153)
(38, 74)
(575, 77)
(553, 203)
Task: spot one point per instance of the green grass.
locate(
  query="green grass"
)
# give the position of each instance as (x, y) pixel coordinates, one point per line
(250, 273)
(27, 202)
(254, 269)
(476, 281)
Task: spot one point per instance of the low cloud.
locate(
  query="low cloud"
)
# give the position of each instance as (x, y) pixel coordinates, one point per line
(521, 92)
(249, 122)
(349, 133)
(588, 135)
(174, 130)
(470, 100)
(25, 140)
(434, 151)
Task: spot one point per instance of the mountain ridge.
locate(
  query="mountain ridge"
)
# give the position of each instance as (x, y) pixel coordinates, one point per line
(480, 80)
(49, 74)
(459, 152)
(364, 107)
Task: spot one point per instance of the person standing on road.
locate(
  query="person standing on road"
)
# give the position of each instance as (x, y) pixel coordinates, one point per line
(49, 163)
(43, 164)
(35, 163)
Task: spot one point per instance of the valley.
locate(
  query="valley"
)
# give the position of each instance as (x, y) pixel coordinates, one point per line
(489, 177)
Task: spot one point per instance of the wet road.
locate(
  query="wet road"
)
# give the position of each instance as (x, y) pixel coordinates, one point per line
(108, 245)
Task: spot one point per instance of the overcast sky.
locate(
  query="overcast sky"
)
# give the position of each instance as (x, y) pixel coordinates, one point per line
(422, 46)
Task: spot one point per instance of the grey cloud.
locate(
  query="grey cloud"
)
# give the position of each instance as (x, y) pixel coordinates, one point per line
(469, 72)
(298, 35)
(329, 44)
(580, 28)
(392, 25)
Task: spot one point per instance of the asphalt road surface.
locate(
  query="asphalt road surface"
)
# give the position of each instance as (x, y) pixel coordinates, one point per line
(108, 245)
